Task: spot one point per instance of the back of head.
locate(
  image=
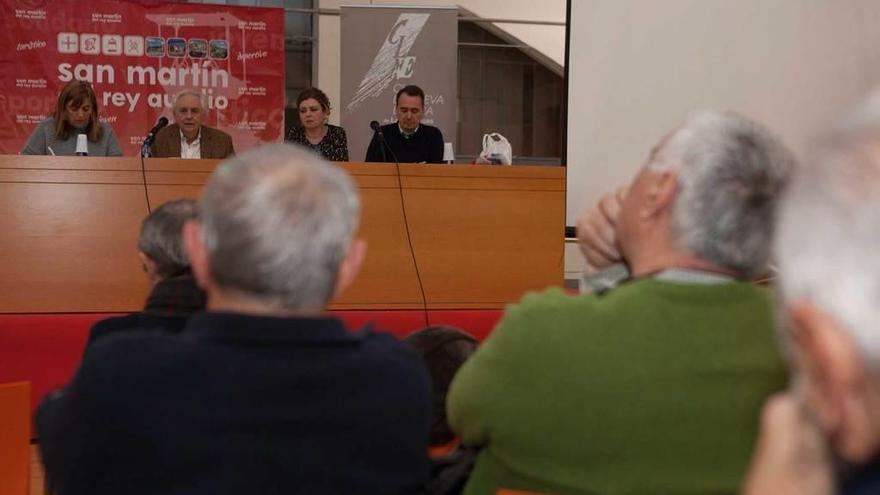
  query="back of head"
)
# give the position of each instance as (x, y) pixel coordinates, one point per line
(277, 222)
(731, 171)
(829, 231)
(444, 350)
(161, 237)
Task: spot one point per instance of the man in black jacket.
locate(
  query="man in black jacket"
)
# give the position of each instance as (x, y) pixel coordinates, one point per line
(407, 140)
(264, 392)
(174, 295)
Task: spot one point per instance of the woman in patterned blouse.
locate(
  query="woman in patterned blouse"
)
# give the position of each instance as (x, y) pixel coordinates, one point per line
(314, 131)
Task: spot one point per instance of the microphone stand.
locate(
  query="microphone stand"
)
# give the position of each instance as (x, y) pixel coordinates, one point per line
(147, 148)
(412, 252)
(383, 144)
(377, 131)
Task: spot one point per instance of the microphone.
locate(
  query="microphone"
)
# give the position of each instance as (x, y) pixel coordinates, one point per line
(374, 125)
(148, 141)
(163, 121)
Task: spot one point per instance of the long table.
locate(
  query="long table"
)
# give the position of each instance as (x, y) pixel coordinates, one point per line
(481, 235)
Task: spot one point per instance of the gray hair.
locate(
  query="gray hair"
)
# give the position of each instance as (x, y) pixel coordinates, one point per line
(161, 237)
(731, 171)
(277, 222)
(203, 100)
(829, 233)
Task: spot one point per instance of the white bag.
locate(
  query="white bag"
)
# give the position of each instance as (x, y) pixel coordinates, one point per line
(496, 150)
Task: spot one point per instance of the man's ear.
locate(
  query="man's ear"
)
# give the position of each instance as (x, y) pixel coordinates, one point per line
(196, 252)
(829, 360)
(660, 193)
(150, 267)
(350, 266)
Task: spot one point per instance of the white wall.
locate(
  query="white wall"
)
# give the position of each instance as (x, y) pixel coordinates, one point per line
(549, 40)
(637, 67)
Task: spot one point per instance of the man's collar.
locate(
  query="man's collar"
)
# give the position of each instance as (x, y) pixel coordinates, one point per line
(693, 276)
(183, 138)
(223, 326)
(610, 277)
(405, 134)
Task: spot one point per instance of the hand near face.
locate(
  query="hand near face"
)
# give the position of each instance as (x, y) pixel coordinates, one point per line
(790, 457)
(596, 231)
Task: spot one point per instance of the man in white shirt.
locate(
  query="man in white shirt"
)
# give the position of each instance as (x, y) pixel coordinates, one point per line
(187, 137)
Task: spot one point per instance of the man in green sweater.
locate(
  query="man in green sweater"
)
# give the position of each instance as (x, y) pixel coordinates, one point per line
(655, 386)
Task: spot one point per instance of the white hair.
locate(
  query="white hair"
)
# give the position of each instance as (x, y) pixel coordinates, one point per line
(829, 232)
(277, 222)
(730, 173)
(203, 100)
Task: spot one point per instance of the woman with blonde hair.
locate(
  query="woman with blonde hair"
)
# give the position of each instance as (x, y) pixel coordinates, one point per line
(75, 113)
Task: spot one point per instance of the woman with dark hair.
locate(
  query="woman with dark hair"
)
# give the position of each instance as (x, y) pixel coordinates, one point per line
(76, 113)
(314, 131)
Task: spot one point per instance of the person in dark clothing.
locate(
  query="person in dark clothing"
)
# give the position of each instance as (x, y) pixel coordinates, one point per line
(407, 140)
(174, 295)
(444, 349)
(264, 392)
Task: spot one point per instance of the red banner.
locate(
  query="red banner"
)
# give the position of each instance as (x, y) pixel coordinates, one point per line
(138, 56)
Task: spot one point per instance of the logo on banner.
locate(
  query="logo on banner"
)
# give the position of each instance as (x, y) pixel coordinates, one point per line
(68, 43)
(137, 46)
(393, 61)
(111, 44)
(134, 45)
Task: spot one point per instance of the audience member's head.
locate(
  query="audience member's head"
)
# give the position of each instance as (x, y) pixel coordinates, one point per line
(826, 250)
(276, 232)
(77, 110)
(189, 108)
(409, 108)
(444, 349)
(707, 193)
(160, 243)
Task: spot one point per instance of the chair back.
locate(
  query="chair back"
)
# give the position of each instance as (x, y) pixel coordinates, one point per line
(15, 437)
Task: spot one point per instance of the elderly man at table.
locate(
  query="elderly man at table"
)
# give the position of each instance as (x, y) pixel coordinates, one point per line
(188, 137)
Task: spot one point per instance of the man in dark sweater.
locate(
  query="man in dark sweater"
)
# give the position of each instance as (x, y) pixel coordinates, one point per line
(263, 393)
(407, 140)
(174, 295)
